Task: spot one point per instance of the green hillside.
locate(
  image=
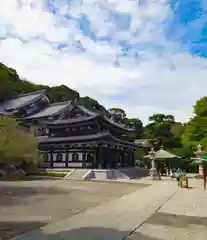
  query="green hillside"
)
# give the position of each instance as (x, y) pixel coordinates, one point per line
(11, 86)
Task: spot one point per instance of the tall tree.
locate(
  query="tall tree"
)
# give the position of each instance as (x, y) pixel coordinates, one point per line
(159, 130)
(136, 124)
(196, 129)
(161, 118)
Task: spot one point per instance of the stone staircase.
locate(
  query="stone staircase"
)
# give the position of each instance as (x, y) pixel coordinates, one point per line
(136, 172)
(104, 174)
(77, 174)
(107, 174)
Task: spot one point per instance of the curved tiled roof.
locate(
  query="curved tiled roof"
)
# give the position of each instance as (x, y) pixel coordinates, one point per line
(104, 136)
(22, 100)
(51, 110)
(91, 115)
(70, 120)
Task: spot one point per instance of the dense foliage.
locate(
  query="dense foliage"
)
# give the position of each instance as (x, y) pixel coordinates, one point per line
(17, 145)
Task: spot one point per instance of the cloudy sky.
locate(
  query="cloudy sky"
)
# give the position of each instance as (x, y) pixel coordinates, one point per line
(145, 56)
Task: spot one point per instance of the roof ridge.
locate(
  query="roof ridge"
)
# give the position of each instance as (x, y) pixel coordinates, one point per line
(88, 109)
(66, 103)
(31, 93)
(117, 124)
(62, 121)
(59, 103)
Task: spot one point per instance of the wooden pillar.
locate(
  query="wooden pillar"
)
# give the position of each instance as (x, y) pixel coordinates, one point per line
(66, 158)
(93, 158)
(113, 157)
(100, 157)
(125, 158)
(133, 158)
(129, 162)
(97, 157)
(51, 158)
(122, 158)
(128, 159)
(84, 159)
(71, 153)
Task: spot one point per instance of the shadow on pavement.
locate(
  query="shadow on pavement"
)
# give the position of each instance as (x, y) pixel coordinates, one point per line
(84, 233)
(178, 221)
(10, 195)
(11, 229)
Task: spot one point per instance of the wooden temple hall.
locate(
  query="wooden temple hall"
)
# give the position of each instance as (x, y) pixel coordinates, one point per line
(70, 135)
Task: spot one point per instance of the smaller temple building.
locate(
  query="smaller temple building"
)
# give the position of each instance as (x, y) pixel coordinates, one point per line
(71, 136)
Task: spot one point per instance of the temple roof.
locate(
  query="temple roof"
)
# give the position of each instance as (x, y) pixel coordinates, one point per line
(118, 125)
(52, 109)
(21, 101)
(91, 115)
(70, 121)
(99, 137)
(162, 154)
(87, 111)
(94, 112)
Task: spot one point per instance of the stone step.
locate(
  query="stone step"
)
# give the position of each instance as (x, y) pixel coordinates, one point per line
(135, 172)
(77, 174)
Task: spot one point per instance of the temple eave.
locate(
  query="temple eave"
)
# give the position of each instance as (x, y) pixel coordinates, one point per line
(98, 139)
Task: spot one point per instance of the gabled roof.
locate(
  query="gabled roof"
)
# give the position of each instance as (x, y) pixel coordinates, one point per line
(95, 113)
(162, 154)
(51, 110)
(82, 119)
(21, 101)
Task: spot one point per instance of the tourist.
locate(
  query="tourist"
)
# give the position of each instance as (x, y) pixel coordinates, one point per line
(178, 175)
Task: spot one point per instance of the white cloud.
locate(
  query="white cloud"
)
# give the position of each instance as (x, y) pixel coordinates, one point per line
(168, 81)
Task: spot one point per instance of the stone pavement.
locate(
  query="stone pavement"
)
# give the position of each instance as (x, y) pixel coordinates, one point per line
(184, 216)
(161, 211)
(113, 220)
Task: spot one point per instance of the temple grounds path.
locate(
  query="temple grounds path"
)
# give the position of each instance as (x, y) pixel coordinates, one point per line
(30, 205)
(161, 211)
(182, 217)
(113, 220)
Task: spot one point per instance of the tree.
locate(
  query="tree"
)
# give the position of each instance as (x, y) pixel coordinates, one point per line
(117, 114)
(135, 124)
(200, 108)
(16, 144)
(196, 129)
(161, 118)
(62, 93)
(177, 129)
(11, 86)
(159, 130)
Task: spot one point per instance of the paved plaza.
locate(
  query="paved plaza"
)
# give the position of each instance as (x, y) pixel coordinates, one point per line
(116, 211)
(29, 205)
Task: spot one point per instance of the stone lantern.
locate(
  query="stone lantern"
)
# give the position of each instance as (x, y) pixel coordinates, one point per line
(199, 153)
(153, 170)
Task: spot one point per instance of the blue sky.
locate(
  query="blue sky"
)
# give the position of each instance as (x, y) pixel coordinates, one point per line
(146, 56)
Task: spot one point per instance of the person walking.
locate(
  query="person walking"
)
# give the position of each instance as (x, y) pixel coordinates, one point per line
(177, 176)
